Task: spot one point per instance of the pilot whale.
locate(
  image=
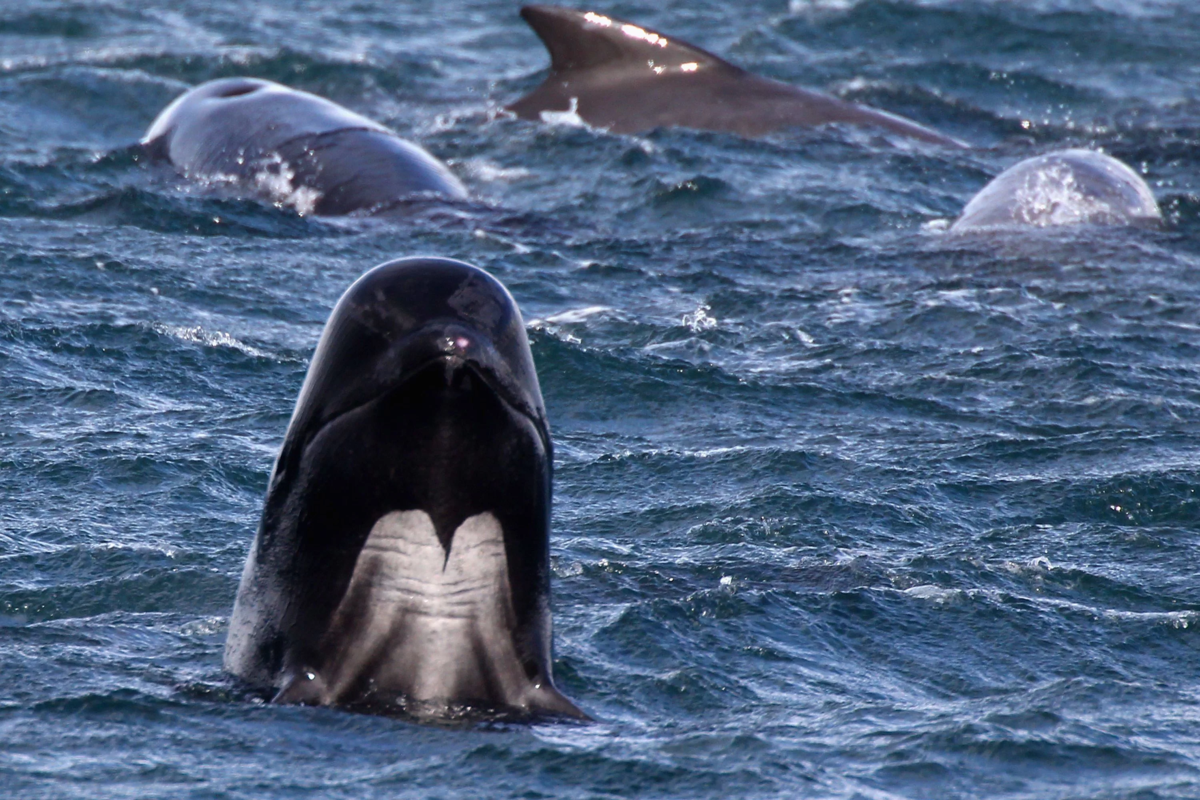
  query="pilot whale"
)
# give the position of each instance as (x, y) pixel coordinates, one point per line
(402, 562)
(293, 148)
(628, 79)
(1066, 187)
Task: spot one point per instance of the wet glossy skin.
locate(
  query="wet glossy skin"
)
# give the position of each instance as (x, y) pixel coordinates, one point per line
(421, 397)
(1067, 187)
(293, 148)
(624, 78)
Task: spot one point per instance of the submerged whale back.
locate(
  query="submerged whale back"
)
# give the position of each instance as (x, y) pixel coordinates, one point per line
(364, 169)
(1067, 187)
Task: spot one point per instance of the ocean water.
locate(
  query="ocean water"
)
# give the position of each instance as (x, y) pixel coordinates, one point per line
(845, 506)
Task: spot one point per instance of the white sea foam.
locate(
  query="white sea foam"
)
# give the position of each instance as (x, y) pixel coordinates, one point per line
(569, 117)
(574, 315)
(1053, 197)
(699, 320)
(204, 626)
(802, 6)
(275, 177)
(490, 172)
(931, 592)
(198, 335)
(517, 247)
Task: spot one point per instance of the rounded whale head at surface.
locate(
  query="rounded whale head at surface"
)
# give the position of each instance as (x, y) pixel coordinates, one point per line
(402, 562)
(1067, 187)
(293, 148)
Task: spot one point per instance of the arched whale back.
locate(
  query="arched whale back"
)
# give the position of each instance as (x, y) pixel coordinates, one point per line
(402, 560)
(293, 147)
(625, 78)
(1067, 187)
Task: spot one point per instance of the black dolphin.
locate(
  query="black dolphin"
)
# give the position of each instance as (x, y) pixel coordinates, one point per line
(402, 561)
(293, 148)
(626, 79)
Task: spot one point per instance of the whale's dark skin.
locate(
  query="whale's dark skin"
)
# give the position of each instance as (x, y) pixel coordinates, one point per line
(627, 79)
(293, 147)
(402, 562)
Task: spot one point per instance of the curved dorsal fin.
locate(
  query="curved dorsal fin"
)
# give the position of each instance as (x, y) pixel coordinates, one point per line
(579, 40)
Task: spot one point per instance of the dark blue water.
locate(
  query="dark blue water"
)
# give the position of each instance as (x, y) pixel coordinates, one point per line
(845, 506)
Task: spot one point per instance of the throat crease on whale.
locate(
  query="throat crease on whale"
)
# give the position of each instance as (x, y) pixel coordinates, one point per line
(402, 563)
(292, 148)
(627, 79)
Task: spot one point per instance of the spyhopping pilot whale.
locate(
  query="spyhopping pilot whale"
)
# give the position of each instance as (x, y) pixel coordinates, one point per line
(628, 79)
(293, 148)
(1067, 187)
(402, 560)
